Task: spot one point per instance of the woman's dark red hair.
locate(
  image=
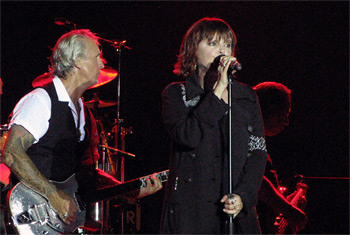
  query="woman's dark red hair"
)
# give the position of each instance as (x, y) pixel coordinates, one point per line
(202, 29)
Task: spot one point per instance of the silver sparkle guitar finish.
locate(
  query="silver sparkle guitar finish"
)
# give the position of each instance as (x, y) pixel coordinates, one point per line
(33, 214)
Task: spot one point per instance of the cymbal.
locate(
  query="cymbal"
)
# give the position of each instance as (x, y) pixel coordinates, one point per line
(107, 74)
(99, 103)
(42, 80)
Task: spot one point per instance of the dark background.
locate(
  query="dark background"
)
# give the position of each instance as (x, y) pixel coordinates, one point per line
(304, 45)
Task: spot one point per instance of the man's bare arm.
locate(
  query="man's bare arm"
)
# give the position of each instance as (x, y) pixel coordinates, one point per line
(16, 158)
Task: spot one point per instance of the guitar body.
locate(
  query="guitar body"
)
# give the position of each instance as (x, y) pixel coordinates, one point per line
(280, 228)
(31, 213)
(280, 224)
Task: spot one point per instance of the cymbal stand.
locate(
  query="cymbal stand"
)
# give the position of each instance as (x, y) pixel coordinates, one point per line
(119, 141)
(118, 130)
(107, 165)
(106, 149)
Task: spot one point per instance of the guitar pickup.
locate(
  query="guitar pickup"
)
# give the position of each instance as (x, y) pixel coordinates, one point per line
(23, 218)
(32, 215)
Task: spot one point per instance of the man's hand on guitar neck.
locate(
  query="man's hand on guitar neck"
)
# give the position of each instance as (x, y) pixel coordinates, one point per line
(153, 184)
(64, 205)
(302, 202)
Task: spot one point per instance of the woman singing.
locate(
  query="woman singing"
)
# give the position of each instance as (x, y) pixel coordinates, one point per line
(195, 113)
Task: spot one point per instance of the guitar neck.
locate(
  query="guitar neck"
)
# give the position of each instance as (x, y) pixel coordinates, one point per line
(123, 188)
(297, 197)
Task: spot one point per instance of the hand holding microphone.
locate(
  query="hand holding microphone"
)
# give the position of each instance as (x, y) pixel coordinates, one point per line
(226, 65)
(234, 65)
(211, 77)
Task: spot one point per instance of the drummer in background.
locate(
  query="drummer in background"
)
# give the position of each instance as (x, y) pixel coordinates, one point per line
(47, 133)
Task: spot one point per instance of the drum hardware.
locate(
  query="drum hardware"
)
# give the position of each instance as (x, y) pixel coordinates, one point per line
(119, 140)
(95, 104)
(64, 22)
(106, 149)
(117, 150)
(119, 143)
(99, 211)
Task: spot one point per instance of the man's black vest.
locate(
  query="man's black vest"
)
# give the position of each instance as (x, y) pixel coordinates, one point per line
(57, 154)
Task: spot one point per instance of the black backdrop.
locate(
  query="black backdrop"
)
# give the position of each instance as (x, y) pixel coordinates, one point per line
(304, 45)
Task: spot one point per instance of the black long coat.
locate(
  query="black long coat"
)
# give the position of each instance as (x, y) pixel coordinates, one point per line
(197, 122)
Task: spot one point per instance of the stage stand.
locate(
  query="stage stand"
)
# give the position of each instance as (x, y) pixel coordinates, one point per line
(130, 209)
(118, 216)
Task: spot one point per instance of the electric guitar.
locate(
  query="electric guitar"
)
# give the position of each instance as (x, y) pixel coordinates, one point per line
(32, 213)
(280, 222)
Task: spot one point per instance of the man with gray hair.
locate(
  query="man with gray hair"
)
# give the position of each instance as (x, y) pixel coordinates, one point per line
(48, 134)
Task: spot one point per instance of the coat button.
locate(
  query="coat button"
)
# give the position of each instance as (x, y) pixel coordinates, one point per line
(188, 180)
(192, 155)
(171, 211)
(249, 154)
(250, 128)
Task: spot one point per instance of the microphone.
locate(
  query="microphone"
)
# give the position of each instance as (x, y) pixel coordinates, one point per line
(233, 66)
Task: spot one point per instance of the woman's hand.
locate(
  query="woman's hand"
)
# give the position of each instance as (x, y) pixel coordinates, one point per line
(220, 87)
(232, 205)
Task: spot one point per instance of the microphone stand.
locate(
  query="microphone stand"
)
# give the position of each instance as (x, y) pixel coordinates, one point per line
(237, 66)
(230, 195)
